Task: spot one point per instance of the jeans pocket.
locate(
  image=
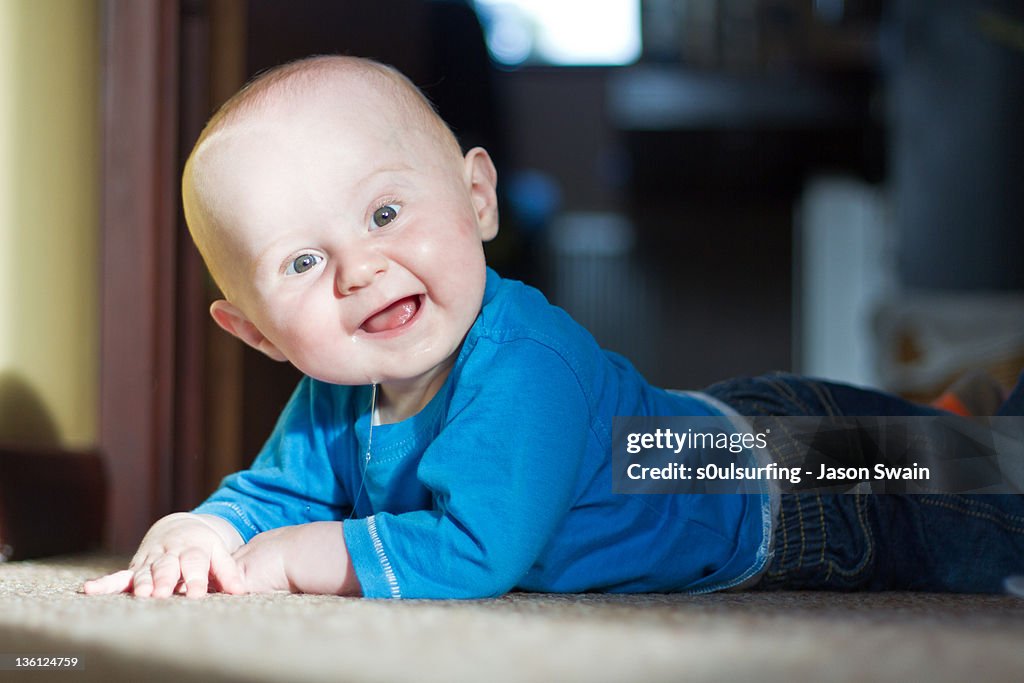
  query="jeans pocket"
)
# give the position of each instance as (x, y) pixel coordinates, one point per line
(822, 542)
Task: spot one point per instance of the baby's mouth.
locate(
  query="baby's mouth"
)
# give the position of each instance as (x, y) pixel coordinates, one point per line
(393, 316)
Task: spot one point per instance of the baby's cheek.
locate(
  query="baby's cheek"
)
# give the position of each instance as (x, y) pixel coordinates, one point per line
(303, 332)
(457, 245)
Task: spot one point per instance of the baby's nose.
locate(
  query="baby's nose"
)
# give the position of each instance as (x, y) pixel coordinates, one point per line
(357, 269)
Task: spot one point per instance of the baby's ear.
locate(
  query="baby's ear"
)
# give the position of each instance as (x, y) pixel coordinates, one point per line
(482, 180)
(234, 322)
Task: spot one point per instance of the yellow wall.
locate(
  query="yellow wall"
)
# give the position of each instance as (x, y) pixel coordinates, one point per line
(49, 196)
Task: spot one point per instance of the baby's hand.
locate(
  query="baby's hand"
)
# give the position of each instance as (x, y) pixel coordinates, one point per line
(307, 558)
(180, 552)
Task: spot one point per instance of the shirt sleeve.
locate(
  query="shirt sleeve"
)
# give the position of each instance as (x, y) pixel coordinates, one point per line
(502, 473)
(292, 480)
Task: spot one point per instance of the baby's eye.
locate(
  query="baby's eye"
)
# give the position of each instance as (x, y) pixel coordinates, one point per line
(385, 215)
(303, 263)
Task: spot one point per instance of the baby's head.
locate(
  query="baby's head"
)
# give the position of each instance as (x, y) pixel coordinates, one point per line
(342, 222)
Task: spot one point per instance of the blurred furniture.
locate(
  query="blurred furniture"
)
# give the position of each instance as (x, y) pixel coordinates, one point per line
(51, 502)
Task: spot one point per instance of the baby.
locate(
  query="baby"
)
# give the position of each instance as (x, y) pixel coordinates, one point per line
(452, 435)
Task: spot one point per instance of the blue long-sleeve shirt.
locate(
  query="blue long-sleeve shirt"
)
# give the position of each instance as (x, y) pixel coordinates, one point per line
(503, 480)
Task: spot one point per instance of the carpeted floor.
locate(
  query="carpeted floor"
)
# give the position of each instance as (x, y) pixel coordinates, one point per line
(520, 637)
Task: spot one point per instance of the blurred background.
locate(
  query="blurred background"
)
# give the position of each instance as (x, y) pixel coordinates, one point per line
(712, 187)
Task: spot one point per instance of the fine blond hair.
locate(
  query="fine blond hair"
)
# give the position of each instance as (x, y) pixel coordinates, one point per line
(293, 81)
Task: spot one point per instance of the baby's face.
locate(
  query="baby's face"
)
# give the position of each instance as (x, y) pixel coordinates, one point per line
(355, 241)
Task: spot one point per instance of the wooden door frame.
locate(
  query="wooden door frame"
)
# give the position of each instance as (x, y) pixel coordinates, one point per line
(142, 368)
(162, 374)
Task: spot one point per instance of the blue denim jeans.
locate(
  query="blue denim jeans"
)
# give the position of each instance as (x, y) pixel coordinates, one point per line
(962, 543)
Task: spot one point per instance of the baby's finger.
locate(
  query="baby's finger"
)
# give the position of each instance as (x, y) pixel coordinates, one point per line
(142, 581)
(225, 569)
(118, 582)
(166, 574)
(195, 572)
(142, 567)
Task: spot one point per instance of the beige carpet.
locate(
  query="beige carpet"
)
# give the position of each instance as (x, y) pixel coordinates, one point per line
(520, 637)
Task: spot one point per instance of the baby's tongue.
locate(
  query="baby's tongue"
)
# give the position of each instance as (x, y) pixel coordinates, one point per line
(395, 315)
